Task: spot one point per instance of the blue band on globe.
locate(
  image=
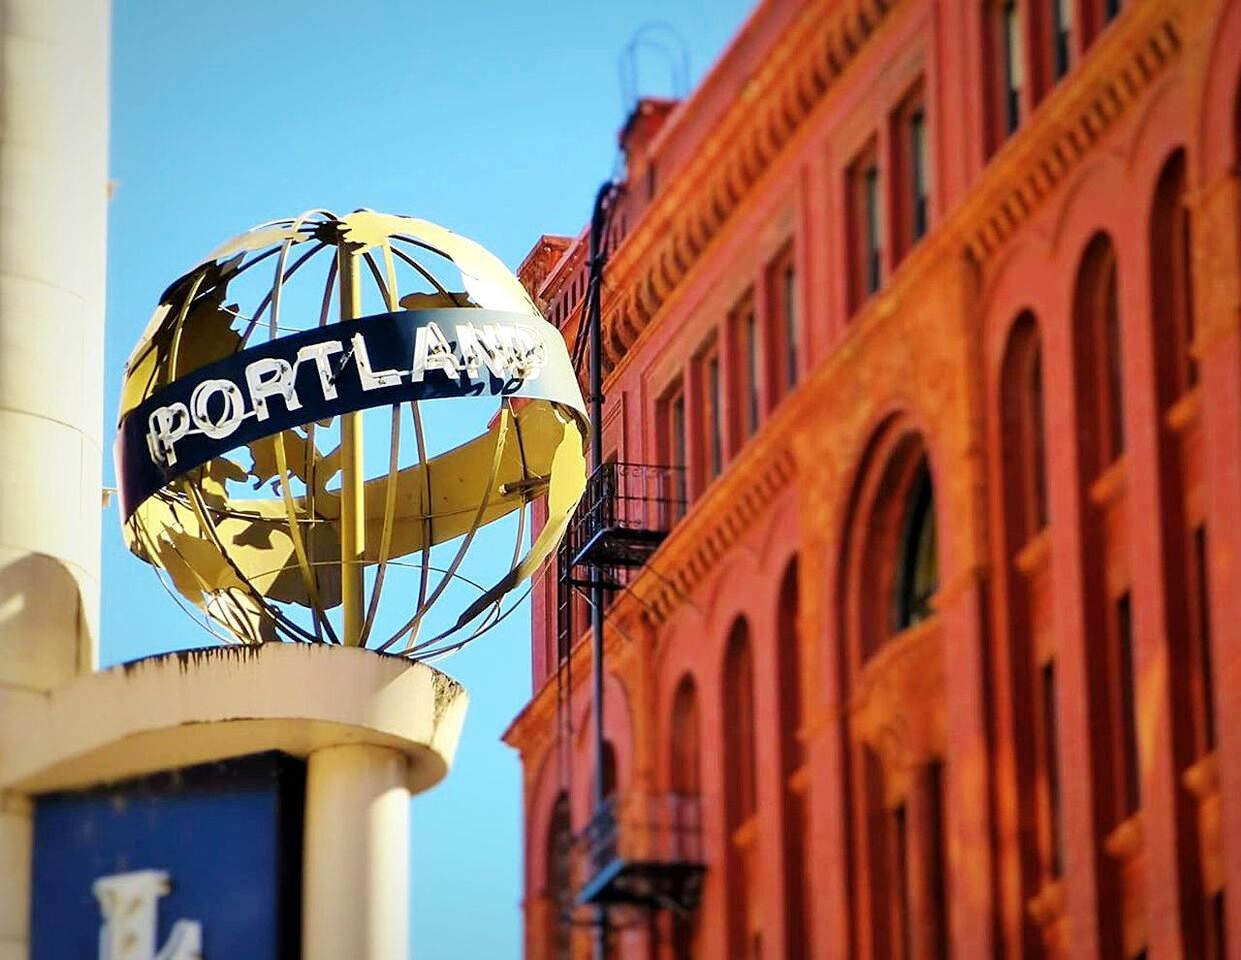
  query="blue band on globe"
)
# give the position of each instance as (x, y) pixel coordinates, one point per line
(339, 368)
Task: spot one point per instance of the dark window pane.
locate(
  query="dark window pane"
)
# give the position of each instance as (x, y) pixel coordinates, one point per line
(1038, 439)
(1051, 765)
(900, 879)
(1013, 68)
(752, 372)
(677, 438)
(1128, 706)
(1206, 680)
(937, 883)
(715, 425)
(739, 735)
(872, 203)
(919, 174)
(918, 574)
(1115, 376)
(559, 877)
(790, 326)
(1062, 36)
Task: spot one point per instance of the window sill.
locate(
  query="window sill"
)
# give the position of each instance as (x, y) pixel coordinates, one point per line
(1111, 483)
(746, 834)
(1034, 556)
(1047, 906)
(1202, 778)
(1183, 415)
(1126, 840)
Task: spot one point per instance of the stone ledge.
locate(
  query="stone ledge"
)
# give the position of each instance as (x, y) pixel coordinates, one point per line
(195, 706)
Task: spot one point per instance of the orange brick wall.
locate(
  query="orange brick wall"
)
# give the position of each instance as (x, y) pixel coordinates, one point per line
(757, 159)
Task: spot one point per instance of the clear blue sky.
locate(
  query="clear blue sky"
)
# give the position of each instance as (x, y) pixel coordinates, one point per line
(497, 119)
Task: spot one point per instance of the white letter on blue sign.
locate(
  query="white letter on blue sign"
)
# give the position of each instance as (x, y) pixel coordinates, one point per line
(130, 918)
(271, 377)
(165, 426)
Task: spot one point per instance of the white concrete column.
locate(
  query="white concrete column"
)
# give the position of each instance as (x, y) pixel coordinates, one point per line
(54, 83)
(355, 898)
(15, 839)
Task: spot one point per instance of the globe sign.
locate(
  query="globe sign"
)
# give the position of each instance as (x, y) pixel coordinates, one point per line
(277, 457)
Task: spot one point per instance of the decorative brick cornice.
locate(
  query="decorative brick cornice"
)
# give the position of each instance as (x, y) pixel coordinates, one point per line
(748, 487)
(677, 229)
(1033, 164)
(675, 232)
(539, 262)
(724, 514)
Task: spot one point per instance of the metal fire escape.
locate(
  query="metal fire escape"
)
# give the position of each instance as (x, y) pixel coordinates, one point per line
(638, 850)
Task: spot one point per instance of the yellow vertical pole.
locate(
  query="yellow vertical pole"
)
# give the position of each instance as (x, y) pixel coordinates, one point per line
(353, 478)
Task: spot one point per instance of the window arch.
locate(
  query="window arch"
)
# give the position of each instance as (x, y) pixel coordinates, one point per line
(1097, 339)
(740, 787)
(1172, 300)
(1184, 526)
(1098, 388)
(792, 758)
(558, 935)
(739, 725)
(685, 781)
(892, 561)
(889, 575)
(1032, 662)
(684, 766)
(1023, 435)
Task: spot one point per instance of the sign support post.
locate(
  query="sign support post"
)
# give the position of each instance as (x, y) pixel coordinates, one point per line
(353, 477)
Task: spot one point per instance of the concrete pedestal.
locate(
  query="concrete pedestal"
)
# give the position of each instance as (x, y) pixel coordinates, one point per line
(374, 730)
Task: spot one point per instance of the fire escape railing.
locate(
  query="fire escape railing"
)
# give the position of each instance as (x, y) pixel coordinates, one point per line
(639, 849)
(626, 512)
(643, 849)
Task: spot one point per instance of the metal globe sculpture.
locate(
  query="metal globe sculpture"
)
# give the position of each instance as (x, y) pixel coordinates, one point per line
(250, 470)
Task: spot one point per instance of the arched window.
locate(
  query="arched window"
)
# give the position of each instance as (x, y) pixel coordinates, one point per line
(558, 935)
(1023, 435)
(1184, 525)
(740, 787)
(1172, 315)
(1097, 339)
(893, 565)
(685, 780)
(1098, 387)
(1032, 662)
(739, 725)
(792, 758)
(684, 769)
(894, 791)
(1172, 299)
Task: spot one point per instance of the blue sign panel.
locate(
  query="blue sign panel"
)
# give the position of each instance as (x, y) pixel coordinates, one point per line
(205, 860)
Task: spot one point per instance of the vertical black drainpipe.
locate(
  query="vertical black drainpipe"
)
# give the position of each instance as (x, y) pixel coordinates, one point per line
(597, 256)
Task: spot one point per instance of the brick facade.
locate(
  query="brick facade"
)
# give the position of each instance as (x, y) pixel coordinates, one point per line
(1043, 757)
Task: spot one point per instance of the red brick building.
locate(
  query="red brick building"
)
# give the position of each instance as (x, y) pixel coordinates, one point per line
(937, 302)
